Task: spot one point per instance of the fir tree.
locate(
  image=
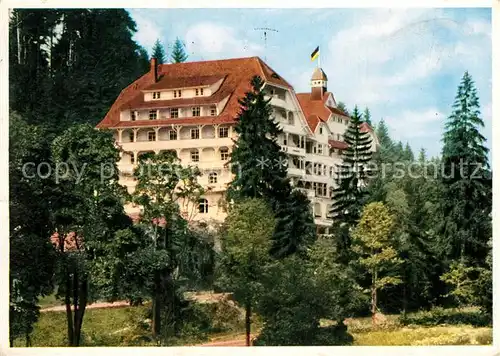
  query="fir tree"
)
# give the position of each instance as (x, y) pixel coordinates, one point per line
(422, 155)
(342, 107)
(399, 150)
(408, 153)
(367, 116)
(257, 161)
(260, 169)
(466, 204)
(350, 194)
(158, 52)
(295, 230)
(178, 52)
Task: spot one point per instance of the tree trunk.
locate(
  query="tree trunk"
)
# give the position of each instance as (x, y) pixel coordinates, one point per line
(374, 297)
(18, 33)
(69, 316)
(81, 311)
(156, 324)
(248, 314)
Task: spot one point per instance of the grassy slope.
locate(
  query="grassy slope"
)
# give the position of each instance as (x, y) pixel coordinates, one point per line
(115, 327)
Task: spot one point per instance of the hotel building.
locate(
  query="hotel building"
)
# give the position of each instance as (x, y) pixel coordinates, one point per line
(191, 109)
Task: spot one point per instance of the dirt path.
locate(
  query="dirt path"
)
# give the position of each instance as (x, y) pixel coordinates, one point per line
(201, 298)
(90, 306)
(236, 340)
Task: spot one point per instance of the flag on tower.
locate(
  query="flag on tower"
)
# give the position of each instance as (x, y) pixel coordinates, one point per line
(315, 54)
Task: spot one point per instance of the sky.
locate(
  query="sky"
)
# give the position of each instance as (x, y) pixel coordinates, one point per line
(403, 64)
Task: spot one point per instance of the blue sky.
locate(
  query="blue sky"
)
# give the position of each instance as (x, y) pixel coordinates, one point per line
(403, 64)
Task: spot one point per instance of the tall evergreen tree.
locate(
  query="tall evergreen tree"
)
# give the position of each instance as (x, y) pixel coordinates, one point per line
(466, 203)
(408, 153)
(422, 155)
(367, 117)
(350, 194)
(179, 54)
(260, 169)
(69, 65)
(257, 161)
(158, 52)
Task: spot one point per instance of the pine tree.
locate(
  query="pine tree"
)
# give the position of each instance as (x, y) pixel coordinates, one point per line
(179, 54)
(350, 194)
(408, 153)
(260, 169)
(295, 230)
(342, 107)
(466, 204)
(422, 155)
(158, 52)
(257, 161)
(367, 116)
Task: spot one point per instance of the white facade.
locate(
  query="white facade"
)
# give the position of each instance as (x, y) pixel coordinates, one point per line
(311, 161)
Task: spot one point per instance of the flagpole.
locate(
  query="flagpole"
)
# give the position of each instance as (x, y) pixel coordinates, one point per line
(319, 58)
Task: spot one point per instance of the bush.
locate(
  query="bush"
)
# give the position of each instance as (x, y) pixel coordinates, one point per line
(289, 333)
(441, 316)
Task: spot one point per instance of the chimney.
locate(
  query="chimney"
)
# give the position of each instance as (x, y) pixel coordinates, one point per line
(318, 84)
(154, 69)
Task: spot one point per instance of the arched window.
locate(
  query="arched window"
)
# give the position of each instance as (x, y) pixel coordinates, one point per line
(212, 178)
(203, 206)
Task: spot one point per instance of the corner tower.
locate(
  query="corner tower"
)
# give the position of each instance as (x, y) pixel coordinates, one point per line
(319, 82)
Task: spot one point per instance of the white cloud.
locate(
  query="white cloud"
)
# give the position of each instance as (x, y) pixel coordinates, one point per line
(147, 31)
(387, 51)
(415, 124)
(211, 41)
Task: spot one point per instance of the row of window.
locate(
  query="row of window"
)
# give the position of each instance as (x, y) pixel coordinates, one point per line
(195, 155)
(341, 120)
(178, 93)
(174, 113)
(172, 134)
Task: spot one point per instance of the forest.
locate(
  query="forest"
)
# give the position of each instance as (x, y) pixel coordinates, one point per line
(412, 234)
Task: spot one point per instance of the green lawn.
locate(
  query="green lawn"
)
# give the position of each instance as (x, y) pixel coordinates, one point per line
(119, 327)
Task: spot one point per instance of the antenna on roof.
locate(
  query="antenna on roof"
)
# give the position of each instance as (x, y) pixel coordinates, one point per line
(265, 30)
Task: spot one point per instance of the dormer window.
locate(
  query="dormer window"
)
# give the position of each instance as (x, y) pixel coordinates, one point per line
(177, 93)
(152, 114)
(201, 91)
(132, 116)
(196, 111)
(213, 111)
(320, 130)
(198, 92)
(156, 95)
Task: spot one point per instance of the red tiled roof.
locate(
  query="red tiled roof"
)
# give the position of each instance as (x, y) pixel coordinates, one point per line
(316, 108)
(365, 127)
(338, 144)
(167, 82)
(237, 73)
(71, 241)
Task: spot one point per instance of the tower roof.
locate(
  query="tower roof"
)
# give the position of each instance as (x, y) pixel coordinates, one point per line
(318, 74)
